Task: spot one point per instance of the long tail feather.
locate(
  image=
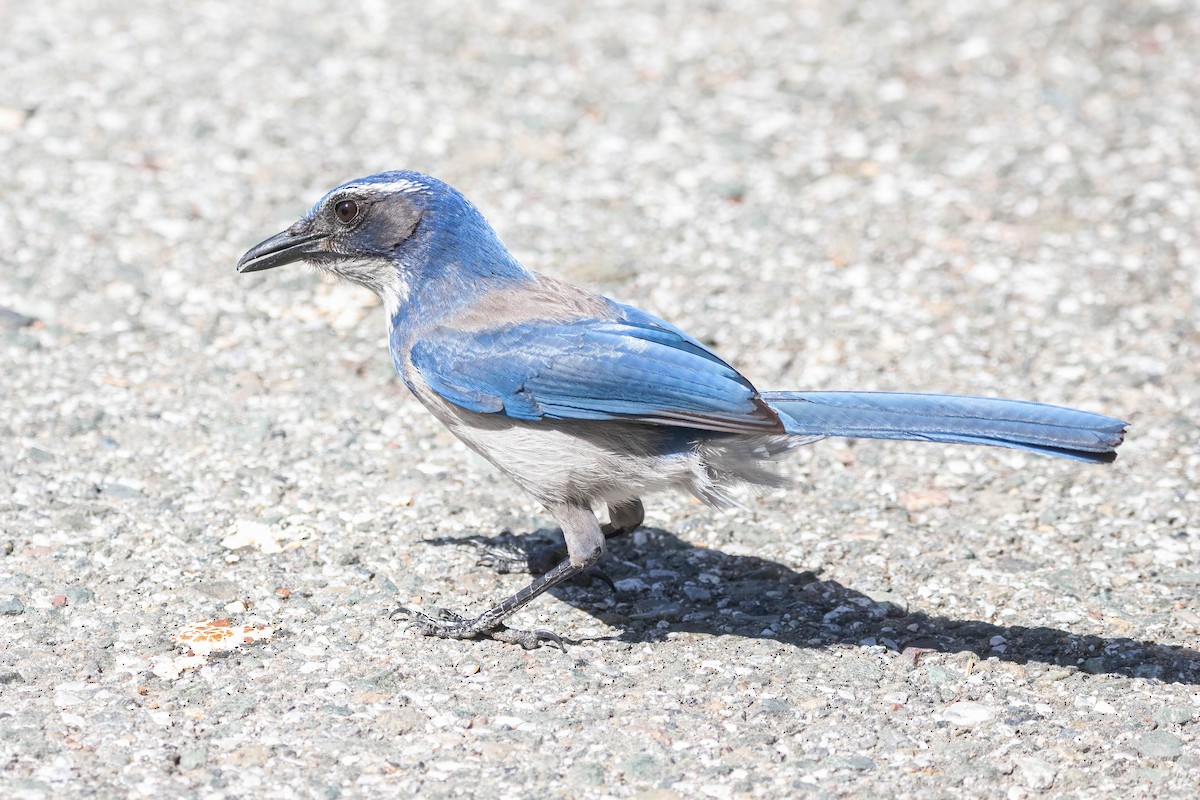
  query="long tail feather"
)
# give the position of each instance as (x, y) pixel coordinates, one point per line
(1040, 428)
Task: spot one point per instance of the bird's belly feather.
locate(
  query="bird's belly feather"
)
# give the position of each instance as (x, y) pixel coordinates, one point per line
(574, 460)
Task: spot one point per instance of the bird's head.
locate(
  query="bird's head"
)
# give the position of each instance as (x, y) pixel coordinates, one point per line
(386, 232)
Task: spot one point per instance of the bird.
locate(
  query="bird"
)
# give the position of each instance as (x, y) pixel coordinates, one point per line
(585, 402)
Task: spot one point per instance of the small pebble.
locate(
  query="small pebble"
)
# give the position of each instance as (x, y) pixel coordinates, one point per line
(1036, 773)
(79, 595)
(11, 605)
(967, 714)
(1159, 744)
(1175, 715)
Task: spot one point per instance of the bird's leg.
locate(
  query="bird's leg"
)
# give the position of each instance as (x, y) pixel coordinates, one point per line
(585, 544)
(506, 553)
(623, 519)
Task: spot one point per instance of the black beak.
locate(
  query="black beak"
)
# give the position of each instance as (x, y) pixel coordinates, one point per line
(282, 248)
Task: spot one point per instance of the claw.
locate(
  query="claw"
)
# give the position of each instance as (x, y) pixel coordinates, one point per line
(403, 612)
(423, 623)
(597, 575)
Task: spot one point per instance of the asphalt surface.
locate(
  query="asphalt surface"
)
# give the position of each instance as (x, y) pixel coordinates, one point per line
(991, 197)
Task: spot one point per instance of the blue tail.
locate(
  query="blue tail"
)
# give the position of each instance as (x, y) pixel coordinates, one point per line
(1052, 430)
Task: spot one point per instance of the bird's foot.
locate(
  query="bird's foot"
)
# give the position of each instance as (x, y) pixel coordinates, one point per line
(449, 625)
(508, 553)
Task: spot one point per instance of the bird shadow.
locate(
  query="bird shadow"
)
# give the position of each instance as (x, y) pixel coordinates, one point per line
(662, 579)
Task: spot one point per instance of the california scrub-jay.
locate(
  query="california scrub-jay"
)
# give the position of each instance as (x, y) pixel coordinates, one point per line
(584, 401)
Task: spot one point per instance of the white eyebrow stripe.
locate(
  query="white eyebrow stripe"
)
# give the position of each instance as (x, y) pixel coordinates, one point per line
(405, 186)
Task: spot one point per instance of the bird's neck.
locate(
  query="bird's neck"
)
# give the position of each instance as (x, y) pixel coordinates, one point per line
(455, 262)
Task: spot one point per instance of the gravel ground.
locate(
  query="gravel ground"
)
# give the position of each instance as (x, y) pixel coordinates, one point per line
(989, 197)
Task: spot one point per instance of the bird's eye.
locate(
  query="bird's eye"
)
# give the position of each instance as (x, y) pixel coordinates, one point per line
(346, 211)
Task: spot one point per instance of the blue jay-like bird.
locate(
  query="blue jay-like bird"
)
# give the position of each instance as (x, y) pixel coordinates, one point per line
(584, 401)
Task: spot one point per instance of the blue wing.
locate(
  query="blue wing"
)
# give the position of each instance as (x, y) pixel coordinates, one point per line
(632, 367)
